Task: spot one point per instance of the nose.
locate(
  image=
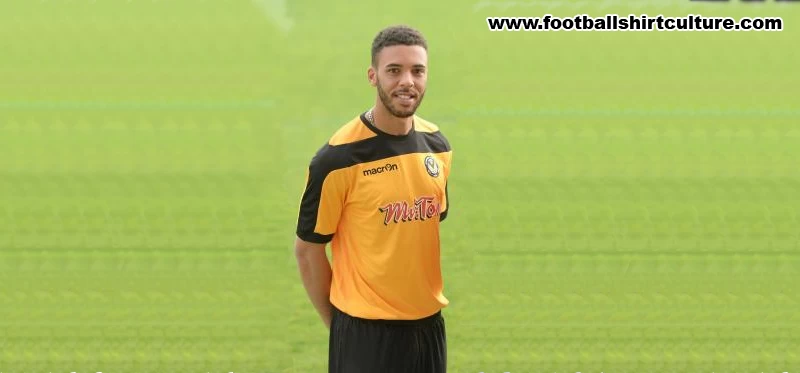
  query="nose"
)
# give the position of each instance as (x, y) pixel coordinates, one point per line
(406, 80)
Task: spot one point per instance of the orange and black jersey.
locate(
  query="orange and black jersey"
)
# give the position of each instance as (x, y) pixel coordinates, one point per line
(379, 199)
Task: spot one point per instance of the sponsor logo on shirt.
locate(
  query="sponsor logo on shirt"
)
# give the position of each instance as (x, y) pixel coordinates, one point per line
(423, 208)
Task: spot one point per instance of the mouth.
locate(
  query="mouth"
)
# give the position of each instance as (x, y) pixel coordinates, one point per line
(405, 97)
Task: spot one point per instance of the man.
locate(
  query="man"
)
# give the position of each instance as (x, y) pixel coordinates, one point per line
(377, 192)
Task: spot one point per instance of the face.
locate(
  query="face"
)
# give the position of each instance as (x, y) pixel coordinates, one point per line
(400, 77)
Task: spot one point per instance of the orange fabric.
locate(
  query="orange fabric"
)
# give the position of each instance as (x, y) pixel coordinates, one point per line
(384, 218)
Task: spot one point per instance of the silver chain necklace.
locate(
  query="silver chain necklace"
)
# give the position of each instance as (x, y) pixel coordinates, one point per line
(370, 118)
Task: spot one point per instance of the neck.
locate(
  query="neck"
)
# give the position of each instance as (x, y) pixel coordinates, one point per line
(386, 122)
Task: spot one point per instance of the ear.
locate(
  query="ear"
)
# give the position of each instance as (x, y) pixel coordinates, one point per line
(371, 76)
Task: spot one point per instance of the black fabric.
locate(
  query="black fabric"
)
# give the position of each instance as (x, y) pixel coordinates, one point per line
(443, 214)
(387, 346)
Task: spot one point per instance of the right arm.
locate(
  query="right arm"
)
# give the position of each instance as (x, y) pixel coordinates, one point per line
(315, 271)
(320, 210)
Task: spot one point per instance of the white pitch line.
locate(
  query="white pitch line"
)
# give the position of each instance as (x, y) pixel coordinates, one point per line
(276, 11)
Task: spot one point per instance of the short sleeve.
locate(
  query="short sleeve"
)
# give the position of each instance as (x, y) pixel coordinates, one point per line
(446, 200)
(322, 202)
(445, 205)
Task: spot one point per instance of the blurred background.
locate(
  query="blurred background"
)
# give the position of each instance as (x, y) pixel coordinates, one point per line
(622, 201)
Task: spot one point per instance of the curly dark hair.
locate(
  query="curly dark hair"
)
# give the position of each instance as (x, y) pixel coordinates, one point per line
(396, 35)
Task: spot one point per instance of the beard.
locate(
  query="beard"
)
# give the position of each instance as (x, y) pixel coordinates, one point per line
(395, 110)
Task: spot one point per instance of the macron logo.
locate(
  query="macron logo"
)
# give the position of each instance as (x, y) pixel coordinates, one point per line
(377, 170)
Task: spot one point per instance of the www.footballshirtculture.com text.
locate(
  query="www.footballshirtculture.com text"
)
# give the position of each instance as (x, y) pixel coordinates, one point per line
(615, 22)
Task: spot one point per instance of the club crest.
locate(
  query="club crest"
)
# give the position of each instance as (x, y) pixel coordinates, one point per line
(431, 166)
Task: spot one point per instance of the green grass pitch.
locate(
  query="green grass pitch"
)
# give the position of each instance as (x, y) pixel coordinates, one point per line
(621, 201)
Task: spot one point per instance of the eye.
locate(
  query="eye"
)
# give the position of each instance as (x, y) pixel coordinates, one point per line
(394, 70)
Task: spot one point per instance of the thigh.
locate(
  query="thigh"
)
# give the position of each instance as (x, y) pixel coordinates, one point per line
(432, 356)
(356, 346)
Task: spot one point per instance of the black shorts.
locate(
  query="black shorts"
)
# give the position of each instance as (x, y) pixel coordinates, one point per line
(386, 346)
